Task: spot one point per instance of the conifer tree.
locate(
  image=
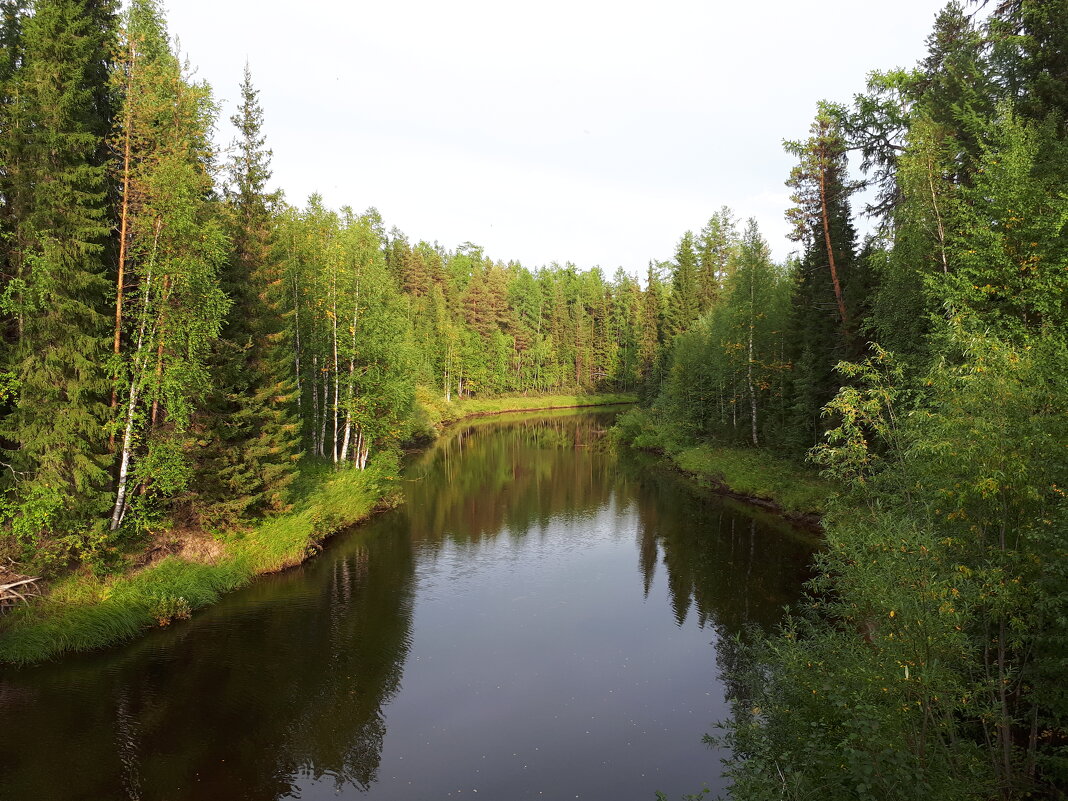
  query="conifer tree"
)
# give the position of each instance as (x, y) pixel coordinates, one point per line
(824, 326)
(12, 15)
(685, 290)
(957, 90)
(715, 246)
(1030, 50)
(56, 294)
(653, 332)
(255, 436)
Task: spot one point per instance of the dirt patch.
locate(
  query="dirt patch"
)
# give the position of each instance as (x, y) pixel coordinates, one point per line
(201, 548)
(189, 545)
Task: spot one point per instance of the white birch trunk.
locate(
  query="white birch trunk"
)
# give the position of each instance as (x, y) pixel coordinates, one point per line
(296, 345)
(749, 371)
(752, 391)
(337, 372)
(325, 416)
(315, 404)
(140, 364)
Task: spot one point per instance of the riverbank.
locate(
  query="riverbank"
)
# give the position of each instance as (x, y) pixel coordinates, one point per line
(184, 571)
(754, 475)
(441, 414)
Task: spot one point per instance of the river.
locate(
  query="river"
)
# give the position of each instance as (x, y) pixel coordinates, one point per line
(544, 618)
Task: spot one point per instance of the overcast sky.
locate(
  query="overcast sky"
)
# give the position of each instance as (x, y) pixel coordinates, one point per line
(591, 132)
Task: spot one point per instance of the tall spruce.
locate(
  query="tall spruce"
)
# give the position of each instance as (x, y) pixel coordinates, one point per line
(254, 434)
(685, 289)
(12, 16)
(57, 202)
(715, 245)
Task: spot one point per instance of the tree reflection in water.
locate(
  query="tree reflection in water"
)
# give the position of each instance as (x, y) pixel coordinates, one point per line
(282, 690)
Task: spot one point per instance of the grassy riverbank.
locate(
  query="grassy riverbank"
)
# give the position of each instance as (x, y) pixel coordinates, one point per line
(754, 474)
(83, 611)
(189, 570)
(441, 413)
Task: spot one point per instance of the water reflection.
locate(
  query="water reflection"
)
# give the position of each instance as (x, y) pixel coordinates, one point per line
(504, 595)
(287, 681)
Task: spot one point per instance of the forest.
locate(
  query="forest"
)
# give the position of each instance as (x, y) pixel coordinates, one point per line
(178, 337)
(924, 369)
(181, 343)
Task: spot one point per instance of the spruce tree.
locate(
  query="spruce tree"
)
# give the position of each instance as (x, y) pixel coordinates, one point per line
(715, 246)
(1030, 50)
(59, 205)
(685, 301)
(652, 333)
(957, 89)
(254, 435)
(12, 15)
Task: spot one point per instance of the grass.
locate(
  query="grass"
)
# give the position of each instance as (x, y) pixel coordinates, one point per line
(754, 473)
(82, 611)
(757, 473)
(442, 413)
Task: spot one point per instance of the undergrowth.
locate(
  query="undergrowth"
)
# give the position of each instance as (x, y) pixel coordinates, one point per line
(752, 472)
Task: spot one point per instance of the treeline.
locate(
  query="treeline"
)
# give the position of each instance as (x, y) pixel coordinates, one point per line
(925, 368)
(177, 337)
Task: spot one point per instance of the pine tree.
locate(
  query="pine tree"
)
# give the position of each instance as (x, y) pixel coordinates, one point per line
(824, 327)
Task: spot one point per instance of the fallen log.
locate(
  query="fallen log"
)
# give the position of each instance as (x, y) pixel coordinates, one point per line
(9, 596)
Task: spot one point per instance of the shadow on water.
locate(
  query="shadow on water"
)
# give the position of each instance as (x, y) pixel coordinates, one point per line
(535, 658)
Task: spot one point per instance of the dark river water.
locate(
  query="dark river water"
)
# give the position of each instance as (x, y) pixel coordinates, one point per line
(542, 619)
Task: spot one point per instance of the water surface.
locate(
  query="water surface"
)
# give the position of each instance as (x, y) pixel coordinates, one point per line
(542, 619)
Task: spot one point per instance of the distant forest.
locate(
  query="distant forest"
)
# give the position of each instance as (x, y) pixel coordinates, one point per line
(177, 338)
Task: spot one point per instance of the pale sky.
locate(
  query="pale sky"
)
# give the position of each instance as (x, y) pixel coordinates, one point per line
(590, 132)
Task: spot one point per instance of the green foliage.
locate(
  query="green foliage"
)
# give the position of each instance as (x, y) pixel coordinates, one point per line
(929, 659)
(56, 228)
(86, 611)
(248, 421)
(934, 613)
(750, 472)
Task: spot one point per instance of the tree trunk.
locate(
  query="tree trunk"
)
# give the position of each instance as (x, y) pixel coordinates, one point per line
(140, 363)
(827, 239)
(119, 509)
(337, 371)
(752, 390)
(325, 416)
(296, 347)
(124, 214)
(315, 404)
(938, 216)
